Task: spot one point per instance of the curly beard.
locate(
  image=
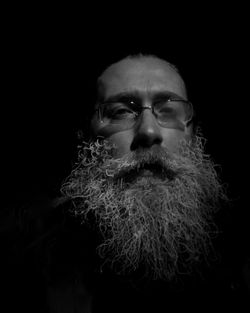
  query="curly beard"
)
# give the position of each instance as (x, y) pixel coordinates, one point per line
(154, 209)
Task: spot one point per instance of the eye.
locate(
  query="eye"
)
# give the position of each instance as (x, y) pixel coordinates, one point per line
(165, 107)
(119, 111)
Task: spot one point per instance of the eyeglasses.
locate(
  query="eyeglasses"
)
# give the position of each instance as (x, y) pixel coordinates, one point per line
(169, 112)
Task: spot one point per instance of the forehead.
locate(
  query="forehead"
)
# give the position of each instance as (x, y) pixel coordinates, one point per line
(145, 76)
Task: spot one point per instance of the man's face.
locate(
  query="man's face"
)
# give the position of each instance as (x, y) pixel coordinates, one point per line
(148, 79)
(150, 188)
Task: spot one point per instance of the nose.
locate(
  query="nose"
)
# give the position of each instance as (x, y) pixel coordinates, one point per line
(147, 131)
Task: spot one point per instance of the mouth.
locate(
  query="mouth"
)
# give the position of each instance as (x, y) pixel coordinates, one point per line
(151, 170)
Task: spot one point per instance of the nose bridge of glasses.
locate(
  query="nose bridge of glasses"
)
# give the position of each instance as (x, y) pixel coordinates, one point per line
(147, 104)
(147, 118)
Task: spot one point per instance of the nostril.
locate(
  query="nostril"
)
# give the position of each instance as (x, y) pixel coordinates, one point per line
(146, 140)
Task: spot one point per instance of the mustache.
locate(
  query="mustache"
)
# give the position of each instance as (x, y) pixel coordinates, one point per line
(156, 159)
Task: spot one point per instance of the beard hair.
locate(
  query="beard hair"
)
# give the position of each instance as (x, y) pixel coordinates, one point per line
(162, 223)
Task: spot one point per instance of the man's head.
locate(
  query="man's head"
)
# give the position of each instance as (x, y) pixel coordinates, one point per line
(146, 80)
(149, 184)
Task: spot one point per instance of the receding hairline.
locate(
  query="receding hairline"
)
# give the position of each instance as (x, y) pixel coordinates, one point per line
(140, 57)
(137, 57)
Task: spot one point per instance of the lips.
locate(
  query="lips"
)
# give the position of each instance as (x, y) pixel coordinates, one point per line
(150, 170)
(146, 173)
(154, 170)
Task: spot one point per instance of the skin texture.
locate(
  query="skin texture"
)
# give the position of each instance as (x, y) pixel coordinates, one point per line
(146, 76)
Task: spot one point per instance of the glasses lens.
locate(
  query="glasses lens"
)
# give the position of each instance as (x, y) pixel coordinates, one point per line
(173, 111)
(116, 113)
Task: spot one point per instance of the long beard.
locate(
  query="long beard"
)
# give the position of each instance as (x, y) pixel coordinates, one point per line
(154, 209)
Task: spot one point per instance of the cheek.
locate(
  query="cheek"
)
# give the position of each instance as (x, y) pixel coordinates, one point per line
(123, 141)
(172, 138)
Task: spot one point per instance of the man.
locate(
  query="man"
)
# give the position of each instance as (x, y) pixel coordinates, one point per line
(146, 183)
(146, 198)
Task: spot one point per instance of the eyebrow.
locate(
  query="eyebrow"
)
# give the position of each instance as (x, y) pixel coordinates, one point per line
(135, 95)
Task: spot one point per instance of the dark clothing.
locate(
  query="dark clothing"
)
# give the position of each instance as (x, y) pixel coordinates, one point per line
(49, 264)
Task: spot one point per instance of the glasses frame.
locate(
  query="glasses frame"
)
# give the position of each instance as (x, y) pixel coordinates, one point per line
(100, 106)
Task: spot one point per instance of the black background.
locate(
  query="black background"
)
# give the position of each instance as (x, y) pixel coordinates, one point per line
(50, 61)
(50, 66)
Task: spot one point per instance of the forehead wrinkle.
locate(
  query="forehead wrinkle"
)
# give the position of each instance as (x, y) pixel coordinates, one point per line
(129, 79)
(147, 89)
